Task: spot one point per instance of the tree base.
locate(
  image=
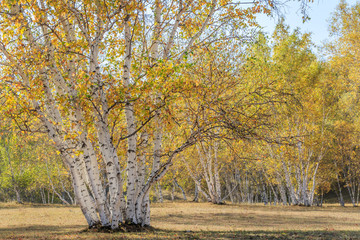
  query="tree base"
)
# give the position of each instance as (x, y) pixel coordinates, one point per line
(302, 205)
(122, 228)
(218, 203)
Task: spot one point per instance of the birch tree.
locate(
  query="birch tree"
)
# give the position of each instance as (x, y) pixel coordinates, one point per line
(95, 73)
(343, 50)
(303, 120)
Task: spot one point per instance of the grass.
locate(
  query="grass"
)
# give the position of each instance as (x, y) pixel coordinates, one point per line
(182, 220)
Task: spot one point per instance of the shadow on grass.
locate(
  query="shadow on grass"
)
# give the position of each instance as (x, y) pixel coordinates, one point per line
(246, 220)
(40, 232)
(73, 232)
(34, 205)
(267, 235)
(294, 208)
(41, 228)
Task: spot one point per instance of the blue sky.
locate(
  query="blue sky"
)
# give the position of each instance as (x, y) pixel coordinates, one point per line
(319, 12)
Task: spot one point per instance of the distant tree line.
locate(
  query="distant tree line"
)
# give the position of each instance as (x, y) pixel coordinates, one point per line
(106, 104)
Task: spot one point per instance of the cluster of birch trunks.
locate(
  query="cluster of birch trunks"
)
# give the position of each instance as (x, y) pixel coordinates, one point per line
(123, 88)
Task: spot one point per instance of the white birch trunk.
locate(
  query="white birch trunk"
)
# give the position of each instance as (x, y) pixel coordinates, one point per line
(91, 147)
(217, 174)
(131, 130)
(182, 190)
(87, 204)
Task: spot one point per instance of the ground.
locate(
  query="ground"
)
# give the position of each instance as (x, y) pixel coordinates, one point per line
(189, 221)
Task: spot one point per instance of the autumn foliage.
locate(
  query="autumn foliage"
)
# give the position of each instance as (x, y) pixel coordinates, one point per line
(105, 101)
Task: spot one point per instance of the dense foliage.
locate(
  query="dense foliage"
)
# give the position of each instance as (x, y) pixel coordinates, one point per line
(103, 101)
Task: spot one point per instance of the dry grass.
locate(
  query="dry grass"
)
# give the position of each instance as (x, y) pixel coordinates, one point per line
(189, 221)
(205, 216)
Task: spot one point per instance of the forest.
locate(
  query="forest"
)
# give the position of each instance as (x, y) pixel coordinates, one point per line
(114, 105)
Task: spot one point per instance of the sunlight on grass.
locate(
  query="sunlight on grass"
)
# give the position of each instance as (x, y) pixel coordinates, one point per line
(189, 221)
(205, 216)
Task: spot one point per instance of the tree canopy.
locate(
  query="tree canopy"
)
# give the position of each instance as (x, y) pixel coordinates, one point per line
(104, 100)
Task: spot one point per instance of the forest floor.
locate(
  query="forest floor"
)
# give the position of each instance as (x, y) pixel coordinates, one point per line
(181, 220)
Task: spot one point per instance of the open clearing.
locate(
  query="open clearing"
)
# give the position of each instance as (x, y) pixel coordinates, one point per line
(189, 221)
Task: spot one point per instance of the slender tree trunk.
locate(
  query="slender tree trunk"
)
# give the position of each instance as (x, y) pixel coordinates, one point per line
(42, 193)
(217, 174)
(18, 197)
(13, 178)
(357, 195)
(229, 190)
(159, 191)
(83, 197)
(173, 192)
(264, 194)
(182, 190)
(196, 193)
(341, 199)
